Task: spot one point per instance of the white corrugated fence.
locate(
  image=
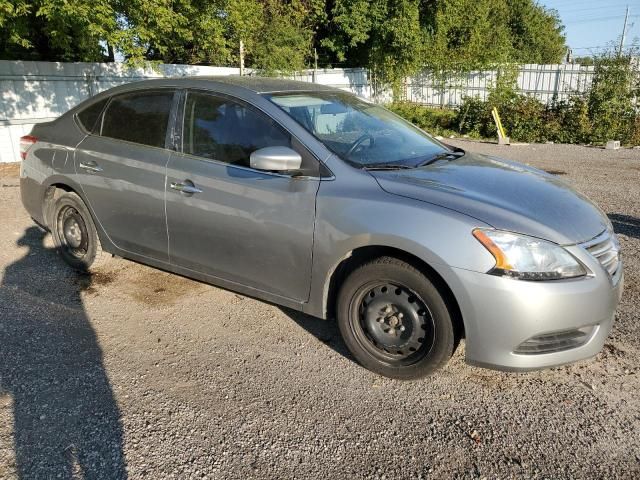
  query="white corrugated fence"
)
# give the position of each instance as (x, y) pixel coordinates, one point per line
(545, 82)
(34, 92)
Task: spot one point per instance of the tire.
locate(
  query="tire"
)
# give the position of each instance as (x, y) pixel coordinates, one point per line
(74, 233)
(394, 320)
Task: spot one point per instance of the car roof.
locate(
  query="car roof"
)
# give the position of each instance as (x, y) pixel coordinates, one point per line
(244, 87)
(253, 84)
(266, 84)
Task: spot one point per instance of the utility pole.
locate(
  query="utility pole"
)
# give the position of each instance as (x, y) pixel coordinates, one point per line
(315, 65)
(624, 32)
(241, 57)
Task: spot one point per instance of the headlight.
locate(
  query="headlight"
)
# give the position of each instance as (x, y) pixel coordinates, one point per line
(528, 258)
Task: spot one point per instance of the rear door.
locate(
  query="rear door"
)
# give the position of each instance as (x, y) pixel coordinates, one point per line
(246, 226)
(121, 167)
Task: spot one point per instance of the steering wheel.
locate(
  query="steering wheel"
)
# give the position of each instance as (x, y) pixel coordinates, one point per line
(361, 139)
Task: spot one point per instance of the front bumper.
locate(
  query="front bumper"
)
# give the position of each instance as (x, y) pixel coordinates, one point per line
(501, 313)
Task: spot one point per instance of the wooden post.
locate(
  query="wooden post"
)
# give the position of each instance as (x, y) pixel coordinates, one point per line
(241, 57)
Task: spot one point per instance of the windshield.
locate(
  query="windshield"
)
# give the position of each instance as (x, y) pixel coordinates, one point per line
(361, 133)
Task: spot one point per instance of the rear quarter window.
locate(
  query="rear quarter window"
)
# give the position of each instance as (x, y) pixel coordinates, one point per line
(140, 117)
(89, 116)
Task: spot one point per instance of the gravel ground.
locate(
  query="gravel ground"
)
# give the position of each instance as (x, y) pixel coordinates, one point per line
(137, 373)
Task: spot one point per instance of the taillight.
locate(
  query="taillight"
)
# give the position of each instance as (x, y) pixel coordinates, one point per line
(26, 143)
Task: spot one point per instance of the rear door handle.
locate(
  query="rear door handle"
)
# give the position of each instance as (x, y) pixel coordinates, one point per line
(188, 188)
(91, 166)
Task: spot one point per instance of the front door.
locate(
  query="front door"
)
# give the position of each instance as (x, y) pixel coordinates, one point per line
(245, 226)
(121, 168)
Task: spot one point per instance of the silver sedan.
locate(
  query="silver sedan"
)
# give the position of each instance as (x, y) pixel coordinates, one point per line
(311, 198)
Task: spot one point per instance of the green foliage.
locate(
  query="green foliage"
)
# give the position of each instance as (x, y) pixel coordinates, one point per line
(505, 89)
(387, 36)
(435, 121)
(55, 29)
(611, 100)
(277, 34)
(397, 38)
(283, 42)
(584, 61)
(466, 35)
(536, 32)
(394, 38)
(182, 31)
(606, 112)
(473, 117)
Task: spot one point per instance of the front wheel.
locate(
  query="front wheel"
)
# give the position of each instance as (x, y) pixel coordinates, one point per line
(394, 320)
(74, 233)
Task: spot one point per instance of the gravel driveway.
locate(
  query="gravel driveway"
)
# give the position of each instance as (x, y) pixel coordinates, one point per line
(137, 373)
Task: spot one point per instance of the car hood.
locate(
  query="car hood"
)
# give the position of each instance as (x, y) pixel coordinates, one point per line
(506, 195)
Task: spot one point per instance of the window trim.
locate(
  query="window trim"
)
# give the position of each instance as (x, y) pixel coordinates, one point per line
(318, 174)
(170, 121)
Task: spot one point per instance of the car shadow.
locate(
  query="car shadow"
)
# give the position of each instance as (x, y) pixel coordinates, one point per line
(66, 422)
(625, 224)
(324, 330)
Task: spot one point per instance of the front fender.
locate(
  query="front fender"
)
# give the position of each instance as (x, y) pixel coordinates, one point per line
(367, 216)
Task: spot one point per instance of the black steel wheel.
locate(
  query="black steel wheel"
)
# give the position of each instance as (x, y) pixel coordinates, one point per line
(394, 320)
(74, 233)
(394, 324)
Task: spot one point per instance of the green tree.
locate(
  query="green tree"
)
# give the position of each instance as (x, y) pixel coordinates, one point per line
(400, 37)
(395, 38)
(171, 31)
(277, 35)
(465, 35)
(385, 35)
(537, 34)
(66, 30)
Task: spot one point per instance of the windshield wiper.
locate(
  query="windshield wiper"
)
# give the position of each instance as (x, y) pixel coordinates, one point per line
(441, 156)
(388, 166)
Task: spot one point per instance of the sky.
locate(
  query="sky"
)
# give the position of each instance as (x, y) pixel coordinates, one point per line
(590, 25)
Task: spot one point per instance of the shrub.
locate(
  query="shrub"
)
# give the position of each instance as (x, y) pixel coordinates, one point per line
(611, 98)
(524, 119)
(473, 118)
(568, 121)
(608, 111)
(436, 121)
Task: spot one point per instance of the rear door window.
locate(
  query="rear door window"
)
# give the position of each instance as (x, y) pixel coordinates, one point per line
(140, 117)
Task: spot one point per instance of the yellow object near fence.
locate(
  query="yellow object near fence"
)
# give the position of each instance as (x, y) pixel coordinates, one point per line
(496, 118)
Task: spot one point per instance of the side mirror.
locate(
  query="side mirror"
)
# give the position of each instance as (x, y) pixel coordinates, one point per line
(275, 159)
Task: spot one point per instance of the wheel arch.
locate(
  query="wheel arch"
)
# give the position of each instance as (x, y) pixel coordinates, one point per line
(59, 182)
(363, 254)
(54, 183)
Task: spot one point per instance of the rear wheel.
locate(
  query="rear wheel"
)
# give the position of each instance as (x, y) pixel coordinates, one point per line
(74, 233)
(394, 320)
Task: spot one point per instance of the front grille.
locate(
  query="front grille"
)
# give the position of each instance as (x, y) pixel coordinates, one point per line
(606, 249)
(555, 342)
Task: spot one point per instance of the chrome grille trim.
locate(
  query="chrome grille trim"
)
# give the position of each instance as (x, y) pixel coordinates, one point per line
(606, 249)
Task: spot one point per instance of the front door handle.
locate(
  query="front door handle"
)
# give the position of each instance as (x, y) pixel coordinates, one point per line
(188, 188)
(90, 166)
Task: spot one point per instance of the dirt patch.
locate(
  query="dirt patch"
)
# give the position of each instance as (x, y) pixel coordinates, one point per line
(155, 288)
(9, 170)
(87, 282)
